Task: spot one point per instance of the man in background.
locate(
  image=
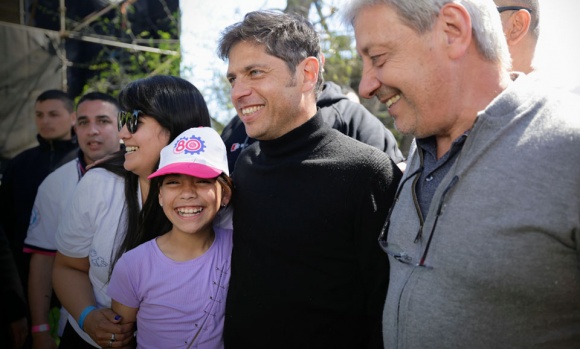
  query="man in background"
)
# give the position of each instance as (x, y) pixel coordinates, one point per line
(98, 136)
(520, 20)
(54, 119)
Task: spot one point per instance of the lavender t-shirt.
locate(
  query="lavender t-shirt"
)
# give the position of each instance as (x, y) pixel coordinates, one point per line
(174, 298)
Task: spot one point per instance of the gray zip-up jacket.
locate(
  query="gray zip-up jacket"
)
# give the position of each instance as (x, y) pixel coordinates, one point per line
(503, 266)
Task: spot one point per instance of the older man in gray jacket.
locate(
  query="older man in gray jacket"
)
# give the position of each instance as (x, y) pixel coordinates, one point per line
(484, 236)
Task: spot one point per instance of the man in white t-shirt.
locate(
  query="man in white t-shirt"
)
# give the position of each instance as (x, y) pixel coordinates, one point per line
(98, 136)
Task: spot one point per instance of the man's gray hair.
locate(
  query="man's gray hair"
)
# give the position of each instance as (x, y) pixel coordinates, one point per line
(420, 15)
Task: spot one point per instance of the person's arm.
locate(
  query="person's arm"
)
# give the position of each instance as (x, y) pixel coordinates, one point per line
(375, 199)
(74, 290)
(70, 277)
(39, 295)
(39, 245)
(124, 299)
(128, 314)
(19, 332)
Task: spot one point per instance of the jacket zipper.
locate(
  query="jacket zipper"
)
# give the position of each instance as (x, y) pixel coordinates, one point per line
(416, 200)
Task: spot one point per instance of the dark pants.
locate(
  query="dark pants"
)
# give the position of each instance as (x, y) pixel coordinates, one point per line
(71, 340)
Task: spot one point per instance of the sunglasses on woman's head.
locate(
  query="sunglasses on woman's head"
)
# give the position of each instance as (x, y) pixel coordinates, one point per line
(129, 118)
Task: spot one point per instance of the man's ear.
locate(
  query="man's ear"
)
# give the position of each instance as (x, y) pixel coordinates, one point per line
(310, 67)
(73, 117)
(454, 23)
(517, 27)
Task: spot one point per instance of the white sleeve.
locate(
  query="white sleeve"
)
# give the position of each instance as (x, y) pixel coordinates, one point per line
(52, 196)
(80, 220)
(44, 219)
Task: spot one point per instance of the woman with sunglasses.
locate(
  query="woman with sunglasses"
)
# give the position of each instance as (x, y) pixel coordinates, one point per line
(109, 204)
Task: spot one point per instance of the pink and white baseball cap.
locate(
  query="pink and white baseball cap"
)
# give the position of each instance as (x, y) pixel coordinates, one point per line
(198, 152)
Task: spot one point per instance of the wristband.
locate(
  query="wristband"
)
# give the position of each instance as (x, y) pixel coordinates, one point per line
(84, 314)
(40, 328)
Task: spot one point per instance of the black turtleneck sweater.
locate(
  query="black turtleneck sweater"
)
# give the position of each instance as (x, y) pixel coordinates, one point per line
(20, 182)
(307, 271)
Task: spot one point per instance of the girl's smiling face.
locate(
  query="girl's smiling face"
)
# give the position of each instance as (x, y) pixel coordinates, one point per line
(191, 203)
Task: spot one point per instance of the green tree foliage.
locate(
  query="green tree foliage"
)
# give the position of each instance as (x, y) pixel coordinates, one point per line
(219, 91)
(301, 7)
(116, 66)
(343, 65)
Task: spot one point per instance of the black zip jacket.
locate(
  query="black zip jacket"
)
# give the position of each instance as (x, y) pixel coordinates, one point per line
(20, 182)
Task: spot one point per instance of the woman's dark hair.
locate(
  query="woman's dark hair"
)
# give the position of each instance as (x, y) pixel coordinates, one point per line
(176, 105)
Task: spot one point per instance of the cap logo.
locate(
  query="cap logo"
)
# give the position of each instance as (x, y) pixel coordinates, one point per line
(189, 145)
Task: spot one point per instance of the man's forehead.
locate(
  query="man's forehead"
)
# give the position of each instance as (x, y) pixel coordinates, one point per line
(380, 25)
(100, 114)
(96, 103)
(50, 101)
(249, 45)
(253, 56)
(52, 104)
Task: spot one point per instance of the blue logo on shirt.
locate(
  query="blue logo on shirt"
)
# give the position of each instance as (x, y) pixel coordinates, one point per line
(34, 217)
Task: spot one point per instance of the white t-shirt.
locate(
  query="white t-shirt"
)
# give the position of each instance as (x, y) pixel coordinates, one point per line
(93, 226)
(52, 198)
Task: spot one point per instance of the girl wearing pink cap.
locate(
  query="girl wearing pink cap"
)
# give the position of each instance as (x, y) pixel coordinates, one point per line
(174, 286)
(105, 218)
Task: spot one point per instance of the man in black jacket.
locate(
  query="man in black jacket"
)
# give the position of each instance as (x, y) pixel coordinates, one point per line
(54, 118)
(310, 202)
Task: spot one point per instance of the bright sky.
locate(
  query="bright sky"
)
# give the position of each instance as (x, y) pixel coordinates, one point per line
(201, 27)
(558, 51)
(557, 55)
